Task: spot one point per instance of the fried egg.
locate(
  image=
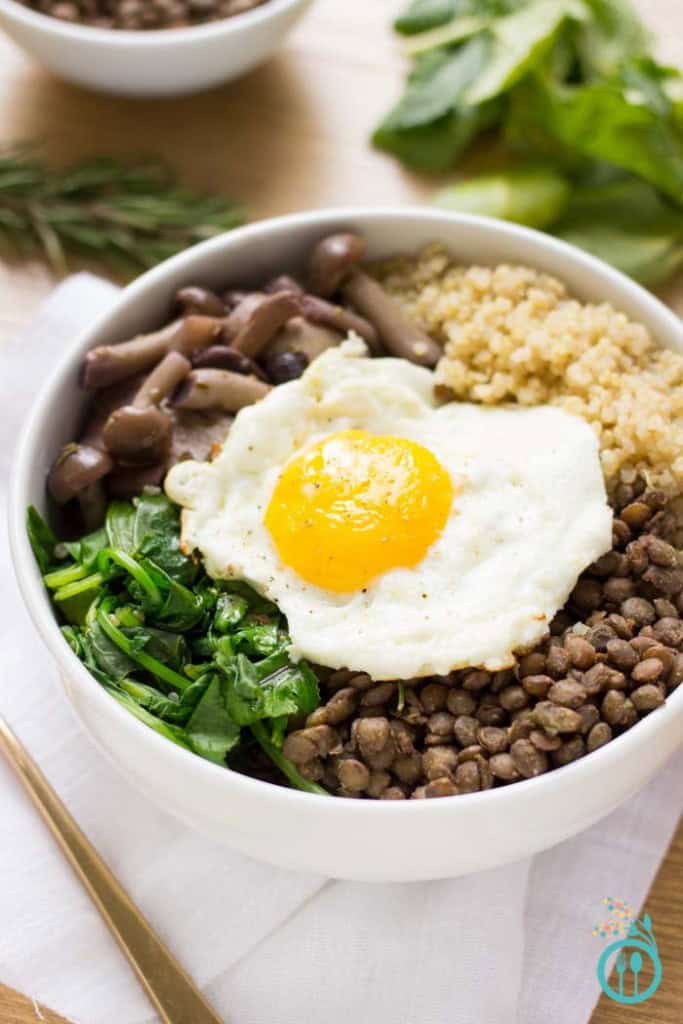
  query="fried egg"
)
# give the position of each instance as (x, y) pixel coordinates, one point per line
(399, 537)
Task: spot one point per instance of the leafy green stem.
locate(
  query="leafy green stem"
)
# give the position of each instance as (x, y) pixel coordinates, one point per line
(62, 577)
(132, 567)
(158, 669)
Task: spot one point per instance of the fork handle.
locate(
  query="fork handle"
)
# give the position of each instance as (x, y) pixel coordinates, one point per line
(172, 992)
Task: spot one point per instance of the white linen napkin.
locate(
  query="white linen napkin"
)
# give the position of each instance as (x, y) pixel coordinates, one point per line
(269, 946)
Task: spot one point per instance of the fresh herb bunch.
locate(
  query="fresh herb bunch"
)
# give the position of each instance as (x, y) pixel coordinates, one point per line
(572, 89)
(125, 217)
(202, 662)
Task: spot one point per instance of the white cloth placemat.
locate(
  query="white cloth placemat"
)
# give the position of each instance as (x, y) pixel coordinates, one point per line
(269, 946)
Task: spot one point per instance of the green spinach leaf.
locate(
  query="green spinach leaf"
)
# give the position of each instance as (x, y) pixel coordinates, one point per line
(157, 537)
(75, 599)
(41, 538)
(211, 732)
(120, 526)
(617, 120)
(431, 127)
(611, 35)
(287, 691)
(520, 41)
(537, 196)
(169, 648)
(421, 15)
(108, 657)
(166, 729)
(629, 224)
(230, 610)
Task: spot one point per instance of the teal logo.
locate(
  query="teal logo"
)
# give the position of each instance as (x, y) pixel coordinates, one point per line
(631, 954)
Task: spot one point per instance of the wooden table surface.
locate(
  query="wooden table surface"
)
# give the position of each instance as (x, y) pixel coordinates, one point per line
(291, 135)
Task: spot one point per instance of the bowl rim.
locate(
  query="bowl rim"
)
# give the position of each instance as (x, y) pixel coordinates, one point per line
(78, 33)
(40, 610)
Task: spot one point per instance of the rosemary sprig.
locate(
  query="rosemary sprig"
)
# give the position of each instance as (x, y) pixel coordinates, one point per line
(125, 217)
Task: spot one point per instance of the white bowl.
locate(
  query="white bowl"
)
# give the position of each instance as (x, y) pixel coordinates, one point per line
(169, 62)
(368, 840)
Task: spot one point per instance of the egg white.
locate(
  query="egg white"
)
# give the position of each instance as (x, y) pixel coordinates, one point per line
(530, 513)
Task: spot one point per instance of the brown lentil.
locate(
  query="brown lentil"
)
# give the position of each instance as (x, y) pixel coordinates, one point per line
(141, 14)
(528, 759)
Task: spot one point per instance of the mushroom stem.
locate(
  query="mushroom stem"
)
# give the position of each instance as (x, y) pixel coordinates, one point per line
(257, 319)
(127, 481)
(320, 311)
(219, 389)
(400, 336)
(163, 380)
(93, 504)
(299, 335)
(109, 364)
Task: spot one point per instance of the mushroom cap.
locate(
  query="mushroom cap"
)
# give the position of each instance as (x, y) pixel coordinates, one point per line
(76, 467)
(332, 260)
(136, 434)
(194, 299)
(223, 357)
(283, 283)
(285, 366)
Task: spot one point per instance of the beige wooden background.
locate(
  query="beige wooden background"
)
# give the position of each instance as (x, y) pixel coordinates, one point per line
(291, 135)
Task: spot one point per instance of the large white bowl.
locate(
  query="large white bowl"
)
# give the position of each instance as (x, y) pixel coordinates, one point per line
(168, 62)
(369, 840)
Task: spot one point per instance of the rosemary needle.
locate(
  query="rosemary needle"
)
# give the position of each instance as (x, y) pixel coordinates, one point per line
(125, 217)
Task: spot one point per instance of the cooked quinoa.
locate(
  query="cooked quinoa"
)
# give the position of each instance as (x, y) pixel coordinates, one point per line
(511, 333)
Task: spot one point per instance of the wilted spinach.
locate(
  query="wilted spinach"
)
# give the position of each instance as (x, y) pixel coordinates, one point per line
(203, 662)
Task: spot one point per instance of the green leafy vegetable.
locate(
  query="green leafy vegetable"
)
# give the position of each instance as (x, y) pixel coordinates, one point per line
(41, 538)
(629, 224)
(534, 196)
(211, 731)
(520, 42)
(627, 121)
(120, 526)
(425, 14)
(611, 33)
(572, 88)
(621, 220)
(86, 550)
(429, 128)
(166, 729)
(251, 697)
(75, 598)
(196, 659)
(230, 610)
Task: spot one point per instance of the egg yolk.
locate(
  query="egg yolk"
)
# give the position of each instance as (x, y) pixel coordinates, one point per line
(355, 505)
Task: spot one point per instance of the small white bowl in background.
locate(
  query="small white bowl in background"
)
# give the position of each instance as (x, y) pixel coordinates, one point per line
(163, 62)
(370, 840)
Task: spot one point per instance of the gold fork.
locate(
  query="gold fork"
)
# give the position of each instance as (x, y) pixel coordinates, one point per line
(171, 991)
